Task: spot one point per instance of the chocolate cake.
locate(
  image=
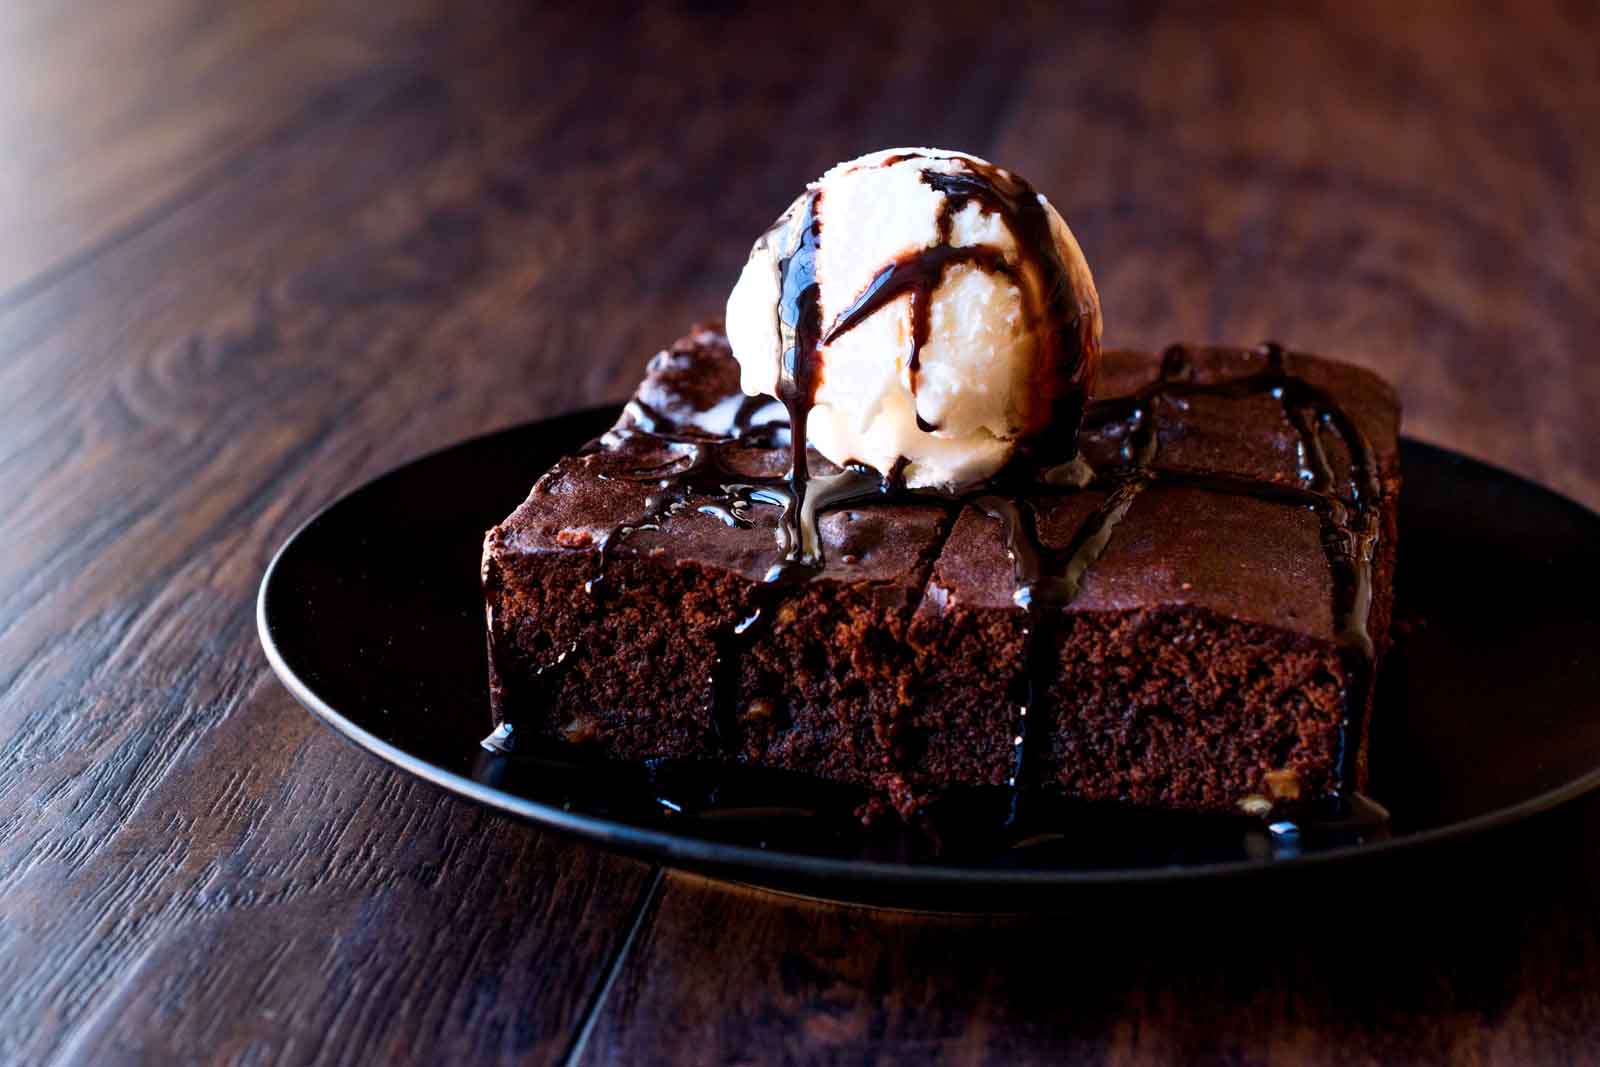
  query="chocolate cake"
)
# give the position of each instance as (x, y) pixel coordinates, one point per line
(1187, 613)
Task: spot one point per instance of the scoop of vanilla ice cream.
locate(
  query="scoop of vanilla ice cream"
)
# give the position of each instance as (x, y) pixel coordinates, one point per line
(987, 366)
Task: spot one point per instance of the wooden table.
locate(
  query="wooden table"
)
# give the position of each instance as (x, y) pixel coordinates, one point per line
(253, 254)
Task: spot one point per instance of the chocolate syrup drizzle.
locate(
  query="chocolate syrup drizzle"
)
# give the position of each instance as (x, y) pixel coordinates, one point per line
(1349, 524)
(1045, 580)
(1060, 323)
(920, 273)
(696, 471)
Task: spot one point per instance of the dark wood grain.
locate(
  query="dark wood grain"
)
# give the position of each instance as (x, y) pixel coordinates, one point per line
(1476, 955)
(113, 112)
(253, 254)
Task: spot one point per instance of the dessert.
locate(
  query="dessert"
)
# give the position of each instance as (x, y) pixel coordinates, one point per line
(955, 316)
(1172, 596)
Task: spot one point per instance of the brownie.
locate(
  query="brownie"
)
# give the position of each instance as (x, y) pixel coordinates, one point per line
(1187, 617)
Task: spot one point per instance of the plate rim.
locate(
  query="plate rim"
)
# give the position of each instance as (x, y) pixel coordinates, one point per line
(675, 849)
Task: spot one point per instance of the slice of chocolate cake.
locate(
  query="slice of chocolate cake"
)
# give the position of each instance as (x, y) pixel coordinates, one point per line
(1186, 616)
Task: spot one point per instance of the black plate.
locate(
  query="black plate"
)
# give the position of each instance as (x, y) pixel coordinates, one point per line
(1488, 711)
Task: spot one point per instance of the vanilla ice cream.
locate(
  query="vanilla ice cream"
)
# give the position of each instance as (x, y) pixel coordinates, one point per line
(957, 316)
